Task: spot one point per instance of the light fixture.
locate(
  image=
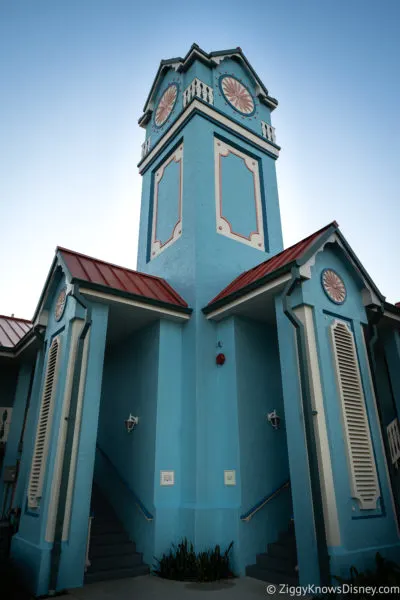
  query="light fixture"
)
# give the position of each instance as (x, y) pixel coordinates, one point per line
(130, 423)
(274, 419)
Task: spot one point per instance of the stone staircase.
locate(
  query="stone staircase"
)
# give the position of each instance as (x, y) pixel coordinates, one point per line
(278, 564)
(111, 553)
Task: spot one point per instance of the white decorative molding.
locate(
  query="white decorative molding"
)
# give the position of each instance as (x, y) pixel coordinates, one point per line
(393, 434)
(208, 111)
(142, 307)
(146, 147)
(268, 132)
(360, 455)
(5, 421)
(224, 227)
(331, 519)
(198, 89)
(76, 439)
(157, 246)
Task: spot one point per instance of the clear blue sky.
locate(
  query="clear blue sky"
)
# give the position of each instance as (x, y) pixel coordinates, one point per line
(74, 76)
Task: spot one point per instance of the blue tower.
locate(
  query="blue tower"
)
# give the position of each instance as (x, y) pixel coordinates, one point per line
(209, 212)
(208, 166)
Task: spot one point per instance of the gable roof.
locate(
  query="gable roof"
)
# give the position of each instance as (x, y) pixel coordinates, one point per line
(103, 274)
(13, 330)
(210, 59)
(282, 262)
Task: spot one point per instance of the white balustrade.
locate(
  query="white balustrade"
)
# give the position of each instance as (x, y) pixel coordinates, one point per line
(198, 89)
(268, 132)
(146, 147)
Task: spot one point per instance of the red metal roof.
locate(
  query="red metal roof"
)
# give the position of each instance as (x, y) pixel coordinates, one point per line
(270, 265)
(93, 270)
(12, 330)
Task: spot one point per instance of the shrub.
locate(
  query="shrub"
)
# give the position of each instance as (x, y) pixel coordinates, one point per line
(183, 564)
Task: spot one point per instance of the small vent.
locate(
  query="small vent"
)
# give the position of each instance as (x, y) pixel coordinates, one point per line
(364, 480)
(44, 427)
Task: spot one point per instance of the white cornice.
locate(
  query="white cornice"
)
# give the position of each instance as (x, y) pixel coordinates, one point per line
(222, 119)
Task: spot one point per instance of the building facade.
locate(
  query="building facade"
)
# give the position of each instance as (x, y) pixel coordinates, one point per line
(225, 390)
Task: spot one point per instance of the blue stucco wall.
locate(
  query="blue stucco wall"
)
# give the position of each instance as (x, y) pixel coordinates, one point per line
(30, 549)
(190, 264)
(130, 385)
(362, 532)
(264, 463)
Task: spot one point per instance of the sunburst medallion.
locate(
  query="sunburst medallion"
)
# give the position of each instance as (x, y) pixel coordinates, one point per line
(333, 286)
(237, 95)
(166, 104)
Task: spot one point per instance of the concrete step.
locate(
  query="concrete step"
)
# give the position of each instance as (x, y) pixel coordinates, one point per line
(118, 561)
(103, 526)
(287, 537)
(277, 563)
(108, 538)
(271, 575)
(283, 550)
(112, 549)
(116, 573)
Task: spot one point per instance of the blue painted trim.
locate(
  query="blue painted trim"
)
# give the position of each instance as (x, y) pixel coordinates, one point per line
(326, 293)
(264, 500)
(224, 76)
(173, 84)
(146, 513)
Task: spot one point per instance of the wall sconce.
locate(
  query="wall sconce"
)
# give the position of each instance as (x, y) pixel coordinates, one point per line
(274, 419)
(131, 423)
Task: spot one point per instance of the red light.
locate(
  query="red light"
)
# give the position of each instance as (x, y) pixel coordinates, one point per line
(220, 359)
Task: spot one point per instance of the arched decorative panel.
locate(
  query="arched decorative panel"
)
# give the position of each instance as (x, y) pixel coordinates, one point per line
(238, 195)
(167, 203)
(360, 454)
(40, 451)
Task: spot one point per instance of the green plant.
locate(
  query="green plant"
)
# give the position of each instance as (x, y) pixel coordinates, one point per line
(183, 564)
(386, 573)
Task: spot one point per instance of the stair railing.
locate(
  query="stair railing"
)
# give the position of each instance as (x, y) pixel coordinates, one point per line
(261, 503)
(147, 515)
(87, 559)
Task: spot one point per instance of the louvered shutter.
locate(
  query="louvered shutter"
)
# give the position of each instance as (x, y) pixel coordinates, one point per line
(44, 426)
(363, 476)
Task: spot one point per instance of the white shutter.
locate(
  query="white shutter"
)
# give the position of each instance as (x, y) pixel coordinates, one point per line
(44, 426)
(363, 475)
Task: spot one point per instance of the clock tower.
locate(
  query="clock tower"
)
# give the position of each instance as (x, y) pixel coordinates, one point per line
(209, 203)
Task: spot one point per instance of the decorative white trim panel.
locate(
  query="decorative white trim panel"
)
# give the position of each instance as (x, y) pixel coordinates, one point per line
(41, 448)
(156, 245)
(201, 90)
(224, 227)
(393, 434)
(305, 314)
(76, 439)
(268, 132)
(5, 421)
(361, 460)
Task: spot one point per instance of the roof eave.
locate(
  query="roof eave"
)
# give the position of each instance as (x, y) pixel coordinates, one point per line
(83, 283)
(248, 288)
